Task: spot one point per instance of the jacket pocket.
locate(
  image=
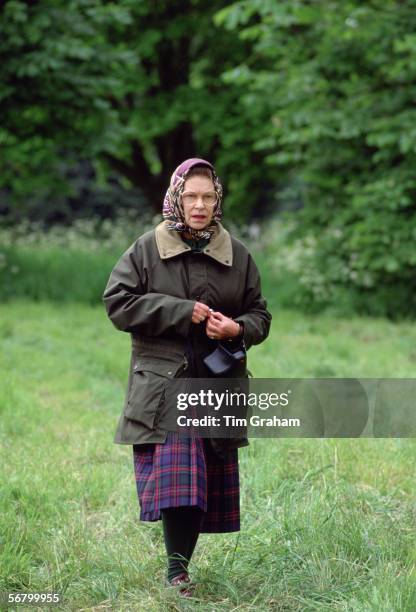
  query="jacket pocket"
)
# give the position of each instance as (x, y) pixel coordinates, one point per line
(146, 394)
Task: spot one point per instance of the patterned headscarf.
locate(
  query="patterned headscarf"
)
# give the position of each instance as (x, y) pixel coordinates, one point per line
(172, 205)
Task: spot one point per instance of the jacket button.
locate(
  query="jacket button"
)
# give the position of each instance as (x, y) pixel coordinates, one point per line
(169, 372)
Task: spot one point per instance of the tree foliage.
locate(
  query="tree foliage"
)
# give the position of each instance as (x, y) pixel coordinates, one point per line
(312, 100)
(337, 81)
(133, 86)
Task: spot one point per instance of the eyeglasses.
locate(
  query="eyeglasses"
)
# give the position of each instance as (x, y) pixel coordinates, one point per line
(209, 199)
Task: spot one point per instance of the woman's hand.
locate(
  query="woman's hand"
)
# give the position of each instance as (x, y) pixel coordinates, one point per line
(220, 327)
(200, 312)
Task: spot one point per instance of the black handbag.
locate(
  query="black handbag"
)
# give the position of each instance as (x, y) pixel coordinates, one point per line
(225, 358)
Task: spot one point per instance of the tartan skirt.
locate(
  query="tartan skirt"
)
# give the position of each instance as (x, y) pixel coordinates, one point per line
(185, 471)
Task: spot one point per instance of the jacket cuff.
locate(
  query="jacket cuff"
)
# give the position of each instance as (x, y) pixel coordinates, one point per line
(247, 335)
(236, 340)
(185, 318)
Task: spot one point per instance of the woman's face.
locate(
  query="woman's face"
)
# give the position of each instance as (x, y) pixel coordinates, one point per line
(198, 200)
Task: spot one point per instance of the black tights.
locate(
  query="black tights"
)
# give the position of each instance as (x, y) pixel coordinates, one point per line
(181, 528)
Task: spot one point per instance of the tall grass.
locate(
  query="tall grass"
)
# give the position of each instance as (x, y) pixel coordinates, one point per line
(73, 264)
(64, 264)
(68, 264)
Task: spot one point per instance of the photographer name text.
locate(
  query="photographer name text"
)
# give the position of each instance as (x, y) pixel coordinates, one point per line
(230, 420)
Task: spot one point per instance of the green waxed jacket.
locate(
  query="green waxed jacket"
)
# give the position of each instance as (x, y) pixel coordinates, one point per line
(151, 294)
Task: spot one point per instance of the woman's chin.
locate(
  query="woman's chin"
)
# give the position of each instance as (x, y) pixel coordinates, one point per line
(204, 223)
(198, 225)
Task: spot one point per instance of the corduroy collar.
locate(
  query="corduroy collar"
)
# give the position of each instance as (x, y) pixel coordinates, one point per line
(170, 244)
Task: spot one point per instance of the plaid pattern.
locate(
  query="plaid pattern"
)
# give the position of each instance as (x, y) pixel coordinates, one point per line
(186, 471)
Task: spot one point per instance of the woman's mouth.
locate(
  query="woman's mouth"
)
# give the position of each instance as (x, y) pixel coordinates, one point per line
(198, 217)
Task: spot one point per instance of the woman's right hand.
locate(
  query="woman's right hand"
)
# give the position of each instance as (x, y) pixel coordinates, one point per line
(200, 312)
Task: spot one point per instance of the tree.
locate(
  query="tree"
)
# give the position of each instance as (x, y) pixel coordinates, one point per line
(339, 92)
(133, 86)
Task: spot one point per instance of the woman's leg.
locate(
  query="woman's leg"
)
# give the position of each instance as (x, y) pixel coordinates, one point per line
(181, 528)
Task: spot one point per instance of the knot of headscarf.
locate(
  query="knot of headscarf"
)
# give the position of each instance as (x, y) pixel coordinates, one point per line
(172, 205)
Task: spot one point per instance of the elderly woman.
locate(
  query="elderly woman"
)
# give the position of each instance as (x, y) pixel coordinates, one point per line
(180, 290)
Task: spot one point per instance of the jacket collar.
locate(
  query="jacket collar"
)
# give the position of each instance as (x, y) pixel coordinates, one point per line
(170, 244)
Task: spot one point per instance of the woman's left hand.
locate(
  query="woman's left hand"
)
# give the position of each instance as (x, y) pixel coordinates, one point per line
(219, 326)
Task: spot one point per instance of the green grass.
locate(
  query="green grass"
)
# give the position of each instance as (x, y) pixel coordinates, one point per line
(55, 273)
(326, 524)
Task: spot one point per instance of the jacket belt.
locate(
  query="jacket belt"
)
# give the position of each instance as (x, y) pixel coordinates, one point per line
(160, 347)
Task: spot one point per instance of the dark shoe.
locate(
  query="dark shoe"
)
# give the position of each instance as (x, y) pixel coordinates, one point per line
(186, 588)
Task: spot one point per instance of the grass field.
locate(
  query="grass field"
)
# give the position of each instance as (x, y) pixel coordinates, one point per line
(326, 524)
